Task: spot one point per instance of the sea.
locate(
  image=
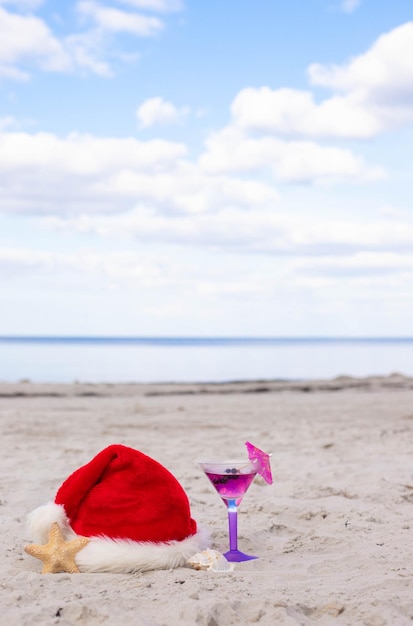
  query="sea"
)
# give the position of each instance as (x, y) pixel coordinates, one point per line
(199, 359)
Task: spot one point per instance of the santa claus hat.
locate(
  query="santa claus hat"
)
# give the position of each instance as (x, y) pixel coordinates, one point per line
(133, 509)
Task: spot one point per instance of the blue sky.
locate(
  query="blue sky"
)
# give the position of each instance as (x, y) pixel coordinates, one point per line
(178, 167)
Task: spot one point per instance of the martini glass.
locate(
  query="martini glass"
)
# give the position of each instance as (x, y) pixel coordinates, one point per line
(231, 480)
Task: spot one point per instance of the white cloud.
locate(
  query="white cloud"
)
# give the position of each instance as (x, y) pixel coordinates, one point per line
(14, 260)
(374, 93)
(349, 6)
(155, 5)
(115, 20)
(293, 275)
(159, 111)
(380, 79)
(87, 52)
(290, 161)
(97, 270)
(254, 231)
(43, 173)
(138, 269)
(27, 39)
(137, 283)
(359, 266)
(46, 174)
(269, 129)
(13, 73)
(293, 112)
(393, 212)
(185, 190)
(384, 68)
(84, 154)
(7, 122)
(81, 174)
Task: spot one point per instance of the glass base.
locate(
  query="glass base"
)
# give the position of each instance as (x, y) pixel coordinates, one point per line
(236, 556)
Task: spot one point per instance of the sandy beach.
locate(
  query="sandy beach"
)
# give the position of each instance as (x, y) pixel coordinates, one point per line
(334, 533)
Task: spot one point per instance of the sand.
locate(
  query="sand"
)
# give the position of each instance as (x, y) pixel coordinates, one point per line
(334, 533)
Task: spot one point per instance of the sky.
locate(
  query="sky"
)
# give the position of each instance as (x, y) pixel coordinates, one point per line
(207, 168)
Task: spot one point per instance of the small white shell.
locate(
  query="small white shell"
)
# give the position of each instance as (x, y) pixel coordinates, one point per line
(210, 560)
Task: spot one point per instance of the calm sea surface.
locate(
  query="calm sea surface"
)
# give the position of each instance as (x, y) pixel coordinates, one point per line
(198, 359)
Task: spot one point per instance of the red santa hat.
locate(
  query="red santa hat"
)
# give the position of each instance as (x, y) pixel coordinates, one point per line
(133, 509)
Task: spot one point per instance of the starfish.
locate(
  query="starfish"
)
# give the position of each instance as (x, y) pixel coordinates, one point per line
(57, 554)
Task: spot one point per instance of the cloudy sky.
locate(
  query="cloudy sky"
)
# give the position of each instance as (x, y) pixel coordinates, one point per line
(227, 167)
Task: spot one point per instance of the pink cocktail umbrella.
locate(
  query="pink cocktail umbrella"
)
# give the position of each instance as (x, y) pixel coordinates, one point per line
(263, 461)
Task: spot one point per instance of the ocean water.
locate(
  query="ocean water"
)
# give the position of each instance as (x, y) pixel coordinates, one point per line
(149, 360)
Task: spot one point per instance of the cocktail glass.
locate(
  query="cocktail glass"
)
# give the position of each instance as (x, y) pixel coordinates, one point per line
(231, 480)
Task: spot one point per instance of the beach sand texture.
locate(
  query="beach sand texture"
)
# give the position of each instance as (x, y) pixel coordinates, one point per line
(334, 533)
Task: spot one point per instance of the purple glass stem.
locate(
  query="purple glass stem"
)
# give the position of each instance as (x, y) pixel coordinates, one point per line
(233, 525)
(233, 553)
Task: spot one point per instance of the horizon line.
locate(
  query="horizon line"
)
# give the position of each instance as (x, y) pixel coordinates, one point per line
(200, 338)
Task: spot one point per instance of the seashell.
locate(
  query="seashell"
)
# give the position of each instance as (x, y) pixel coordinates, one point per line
(210, 560)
